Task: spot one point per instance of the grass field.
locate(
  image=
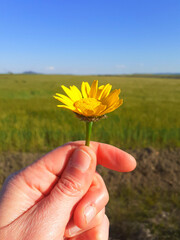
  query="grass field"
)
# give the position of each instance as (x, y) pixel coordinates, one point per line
(31, 122)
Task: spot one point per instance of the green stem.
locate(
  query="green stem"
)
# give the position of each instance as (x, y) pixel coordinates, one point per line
(88, 132)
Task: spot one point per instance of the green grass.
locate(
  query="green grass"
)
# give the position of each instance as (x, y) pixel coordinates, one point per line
(30, 120)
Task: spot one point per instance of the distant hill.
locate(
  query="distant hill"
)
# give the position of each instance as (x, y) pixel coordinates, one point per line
(157, 75)
(150, 75)
(167, 73)
(30, 72)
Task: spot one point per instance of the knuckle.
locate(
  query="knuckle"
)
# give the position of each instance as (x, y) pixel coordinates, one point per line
(69, 186)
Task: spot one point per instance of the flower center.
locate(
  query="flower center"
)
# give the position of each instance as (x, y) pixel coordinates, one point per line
(87, 104)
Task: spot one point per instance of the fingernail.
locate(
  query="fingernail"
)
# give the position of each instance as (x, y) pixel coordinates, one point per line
(80, 160)
(89, 213)
(73, 230)
(133, 160)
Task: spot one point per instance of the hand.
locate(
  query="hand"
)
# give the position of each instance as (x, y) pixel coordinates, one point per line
(58, 196)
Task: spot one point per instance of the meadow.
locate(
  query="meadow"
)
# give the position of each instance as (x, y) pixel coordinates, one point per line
(31, 122)
(144, 204)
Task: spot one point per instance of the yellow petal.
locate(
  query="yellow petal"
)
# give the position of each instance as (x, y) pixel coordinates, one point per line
(105, 92)
(67, 107)
(93, 91)
(99, 91)
(70, 93)
(76, 92)
(72, 108)
(112, 108)
(98, 111)
(101, 87)
(65, 101)
(85, 89)
(111, 98)
(79, 111)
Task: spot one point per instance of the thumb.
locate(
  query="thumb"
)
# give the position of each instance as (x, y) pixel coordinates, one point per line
(72, 185)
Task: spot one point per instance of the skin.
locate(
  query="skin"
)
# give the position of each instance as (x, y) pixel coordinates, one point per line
(61, 196)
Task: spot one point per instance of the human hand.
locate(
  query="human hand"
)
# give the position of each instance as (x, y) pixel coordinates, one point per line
(58, 196)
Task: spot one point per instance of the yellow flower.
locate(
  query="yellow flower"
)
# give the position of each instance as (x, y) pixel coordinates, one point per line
(90, 102)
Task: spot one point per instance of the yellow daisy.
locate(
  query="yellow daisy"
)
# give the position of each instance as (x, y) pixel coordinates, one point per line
(91, 102)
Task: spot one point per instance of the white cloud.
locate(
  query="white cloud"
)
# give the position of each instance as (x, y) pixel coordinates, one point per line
(120, 66)
(51, 68)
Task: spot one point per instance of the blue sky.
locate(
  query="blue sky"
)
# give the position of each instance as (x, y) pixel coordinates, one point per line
(90, 36)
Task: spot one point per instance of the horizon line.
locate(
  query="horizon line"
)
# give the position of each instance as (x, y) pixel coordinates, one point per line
(95, 74)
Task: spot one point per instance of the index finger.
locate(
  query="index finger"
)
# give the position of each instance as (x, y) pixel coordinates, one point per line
(110, 157)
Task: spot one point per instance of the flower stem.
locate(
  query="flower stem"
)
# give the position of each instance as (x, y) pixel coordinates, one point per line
(88, 132)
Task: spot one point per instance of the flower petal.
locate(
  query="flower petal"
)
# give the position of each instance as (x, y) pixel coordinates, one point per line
(98, 111)
(111, 98)
(93, 91)
(69, 100)
(64, 100)
(76, 92)
(105, 92)
(87, 88)
(79, 111)
(67, 107)
(99, 91)
(72, 108)
(114, 107)
(84, 89)
(70, 93)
